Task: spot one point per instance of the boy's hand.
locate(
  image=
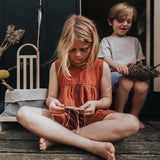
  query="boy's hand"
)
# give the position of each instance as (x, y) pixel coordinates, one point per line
(138, 62)
(122, 69)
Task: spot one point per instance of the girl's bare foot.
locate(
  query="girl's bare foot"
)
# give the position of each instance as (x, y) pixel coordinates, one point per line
(104, 149)
(44, 144)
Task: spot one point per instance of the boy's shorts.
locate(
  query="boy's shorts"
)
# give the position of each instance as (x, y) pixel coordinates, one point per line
(115, 80)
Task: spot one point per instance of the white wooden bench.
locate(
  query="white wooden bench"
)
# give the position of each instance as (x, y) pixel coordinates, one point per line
(26, 62)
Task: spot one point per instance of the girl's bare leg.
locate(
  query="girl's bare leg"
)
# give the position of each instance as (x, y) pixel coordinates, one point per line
(114, 127)
(34, 120)
(110, 129)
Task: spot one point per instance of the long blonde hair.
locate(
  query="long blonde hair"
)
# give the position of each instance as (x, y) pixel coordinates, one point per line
(81, 28)
(121, 9)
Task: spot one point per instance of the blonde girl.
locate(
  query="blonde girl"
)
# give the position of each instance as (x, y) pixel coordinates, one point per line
(79, 97)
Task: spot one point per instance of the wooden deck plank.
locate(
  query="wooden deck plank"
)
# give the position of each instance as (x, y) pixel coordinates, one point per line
(123, 147)
(137, 157)
(153, 124)
(24, 156)
(17, 143)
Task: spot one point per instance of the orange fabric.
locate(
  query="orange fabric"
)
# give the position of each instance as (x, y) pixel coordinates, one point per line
(84, 85)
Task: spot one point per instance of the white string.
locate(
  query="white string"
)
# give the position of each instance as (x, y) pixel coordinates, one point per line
(68, 118)
(77, 115)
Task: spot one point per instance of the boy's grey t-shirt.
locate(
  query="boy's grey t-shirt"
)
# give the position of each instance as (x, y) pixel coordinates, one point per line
(122, 50)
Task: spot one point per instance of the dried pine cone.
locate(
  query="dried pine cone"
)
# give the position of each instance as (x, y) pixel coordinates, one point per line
(142, 73)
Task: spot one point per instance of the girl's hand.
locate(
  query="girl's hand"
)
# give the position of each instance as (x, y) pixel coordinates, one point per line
(55, 107)
(89, 108)
(122, 69)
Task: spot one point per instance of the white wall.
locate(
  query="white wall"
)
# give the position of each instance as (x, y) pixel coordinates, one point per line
(157, 41)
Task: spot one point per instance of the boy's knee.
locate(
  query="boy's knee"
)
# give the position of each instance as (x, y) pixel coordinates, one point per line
(125, 84)
(141, 87)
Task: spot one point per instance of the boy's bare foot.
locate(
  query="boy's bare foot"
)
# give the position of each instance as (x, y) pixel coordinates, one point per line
(142, 126)
(44, 144)
(104, 149)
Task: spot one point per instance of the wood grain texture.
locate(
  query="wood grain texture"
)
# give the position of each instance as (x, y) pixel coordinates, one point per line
(16, 143)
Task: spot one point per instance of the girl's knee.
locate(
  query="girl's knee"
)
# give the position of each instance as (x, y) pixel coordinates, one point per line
(132, 123)
(22, 114)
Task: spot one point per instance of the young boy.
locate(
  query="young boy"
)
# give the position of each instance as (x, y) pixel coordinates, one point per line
(120, 50)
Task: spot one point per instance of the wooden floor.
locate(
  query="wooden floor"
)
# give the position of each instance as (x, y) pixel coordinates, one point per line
(16, 143)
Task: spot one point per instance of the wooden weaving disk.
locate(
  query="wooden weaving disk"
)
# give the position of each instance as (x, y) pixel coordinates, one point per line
(73, 108)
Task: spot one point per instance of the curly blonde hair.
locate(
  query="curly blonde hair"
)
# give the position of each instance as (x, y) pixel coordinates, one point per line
(83, 29)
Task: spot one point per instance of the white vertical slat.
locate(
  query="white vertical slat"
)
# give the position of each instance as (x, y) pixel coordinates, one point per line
(148, 26)
(38, 75)
(24, 74)
(18, 72)
(37, 69)
(156, 41)
(31, 73)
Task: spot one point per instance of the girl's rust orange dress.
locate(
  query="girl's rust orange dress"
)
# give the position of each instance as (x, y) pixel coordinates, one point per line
(83, 86)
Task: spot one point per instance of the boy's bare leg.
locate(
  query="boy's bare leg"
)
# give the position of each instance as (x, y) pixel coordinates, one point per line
(138, 100)
(122, 93)
(52, 131)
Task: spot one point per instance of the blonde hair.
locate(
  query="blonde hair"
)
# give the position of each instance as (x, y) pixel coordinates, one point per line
(121, 9)
(81, 28)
